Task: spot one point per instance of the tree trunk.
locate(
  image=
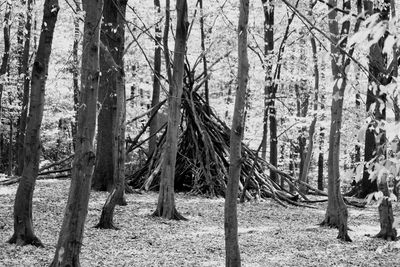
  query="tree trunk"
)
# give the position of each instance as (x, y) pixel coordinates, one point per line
(204, 58)
(71, 234)
(237, 131)
(26, 83)
(6, 54)
(117, 194)
(336, 213)
(270, 86)
(23, 227)
(104, 169)
(75, 71)
(166, 199)
(10, 150)
(156, 82)
(308, 155)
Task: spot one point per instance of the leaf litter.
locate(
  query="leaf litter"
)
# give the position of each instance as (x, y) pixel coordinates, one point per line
(269, 234)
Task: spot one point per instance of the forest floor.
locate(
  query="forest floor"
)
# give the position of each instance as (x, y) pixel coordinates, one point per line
(269, 235)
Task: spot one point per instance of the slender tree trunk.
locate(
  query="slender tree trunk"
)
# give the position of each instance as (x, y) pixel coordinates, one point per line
(156, 83)
(71, 234)
(6, 53)
(75, 71)
(308, 155)
(10, 149)
(231, 223)
(204, 57)
(166, 199)
(336, 213)
(270, 86)
(26, 88)
(23, 227)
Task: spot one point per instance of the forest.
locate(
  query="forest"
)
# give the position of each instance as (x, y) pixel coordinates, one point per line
(191, 133)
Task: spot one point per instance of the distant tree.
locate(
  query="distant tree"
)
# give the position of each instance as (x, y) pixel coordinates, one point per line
(116, 10)
(6, 54)
(154, 127)
(71, 233)
(26, 87)
(166, 198)
(237, 130)
(23, 227)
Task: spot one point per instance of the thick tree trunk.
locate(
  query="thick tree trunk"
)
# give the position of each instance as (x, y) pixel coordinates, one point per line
(117, 194)
(237, 130)
(336, 213)
(6, 53)
(113, 38)
(23, 228)
(71, 234)
(26, 84)
(154, 127)
(166, 199)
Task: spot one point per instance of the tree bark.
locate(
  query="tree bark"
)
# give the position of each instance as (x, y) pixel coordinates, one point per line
(336, 214)
(154, 127)
(117, 194)
(71, 234)
(75, 71)
(113, 39)
(166, 198)
(270, 86)
(23, 227)
(307, 160)
(204, 58)
(237, 130)
(6, 53)
(26, 88)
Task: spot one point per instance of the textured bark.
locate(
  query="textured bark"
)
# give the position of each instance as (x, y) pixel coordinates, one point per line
(154, 127)
(112, 37)
(71, 233)
(231, 224)
(117, 194)
(270, 88)
(26, 88)
(6, 53)
(336, 214)
(10, 149)
(166, 198)
(75, 70)
(23, 227)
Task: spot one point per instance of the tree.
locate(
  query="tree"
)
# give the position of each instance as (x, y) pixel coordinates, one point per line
(117, 194)
(23, 228)
(26, 89)
(154, 127)
(237, 130)
(104, 168)
(166, 198)
(71, 233)
(336, 213)
(6, 53)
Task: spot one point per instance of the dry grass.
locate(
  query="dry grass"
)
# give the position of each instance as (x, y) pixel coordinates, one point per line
(269, 234)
